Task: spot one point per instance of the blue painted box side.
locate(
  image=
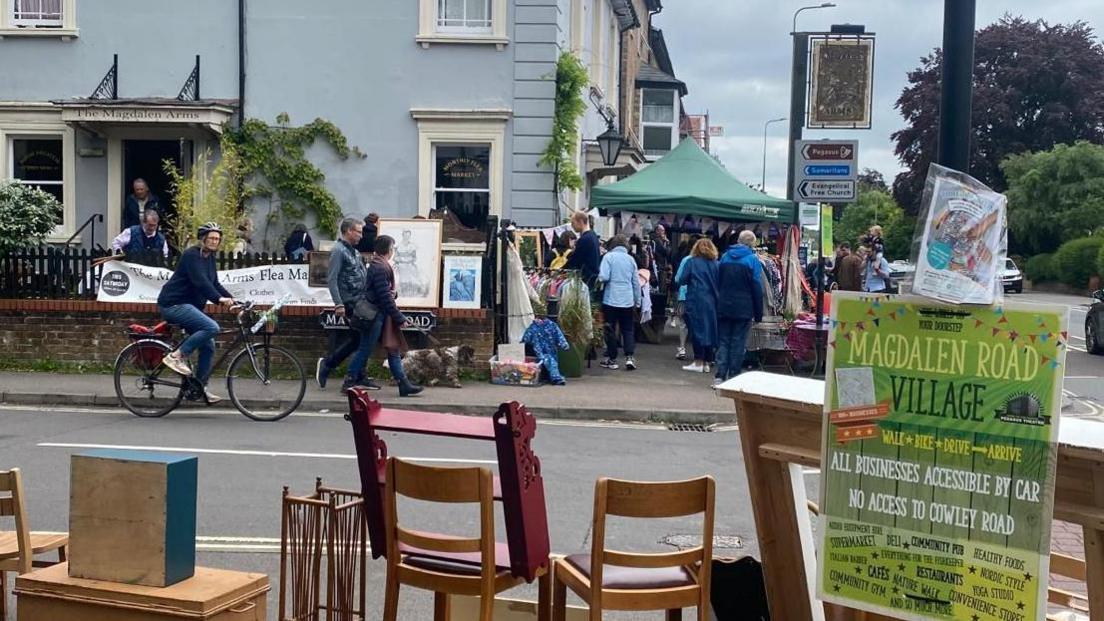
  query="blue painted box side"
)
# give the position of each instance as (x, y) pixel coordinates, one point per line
(180, 520)
(145, 456)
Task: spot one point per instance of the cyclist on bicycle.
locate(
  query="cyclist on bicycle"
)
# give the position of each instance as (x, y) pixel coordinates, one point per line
(182, 299)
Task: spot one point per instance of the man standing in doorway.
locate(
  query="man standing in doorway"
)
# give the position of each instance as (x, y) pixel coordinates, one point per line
(138, 202)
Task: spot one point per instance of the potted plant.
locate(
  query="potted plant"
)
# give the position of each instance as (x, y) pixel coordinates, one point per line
(577, 324)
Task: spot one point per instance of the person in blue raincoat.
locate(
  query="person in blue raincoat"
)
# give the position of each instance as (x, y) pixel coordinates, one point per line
(699, 274)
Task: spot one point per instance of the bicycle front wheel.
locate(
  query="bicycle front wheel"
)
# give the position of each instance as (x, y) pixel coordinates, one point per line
(267, 385)
(143, 385)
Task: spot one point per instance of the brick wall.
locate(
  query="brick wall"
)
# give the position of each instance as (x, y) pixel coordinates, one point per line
(86, 331)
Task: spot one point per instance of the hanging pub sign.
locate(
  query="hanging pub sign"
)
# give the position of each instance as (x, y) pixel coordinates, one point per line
(420, 321)
(842, 77)
(939, 457)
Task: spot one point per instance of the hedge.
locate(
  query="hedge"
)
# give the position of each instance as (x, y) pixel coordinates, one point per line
(1040, 268)
(1076, 261)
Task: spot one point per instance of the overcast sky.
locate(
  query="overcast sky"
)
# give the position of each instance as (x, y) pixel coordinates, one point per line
(734, 56)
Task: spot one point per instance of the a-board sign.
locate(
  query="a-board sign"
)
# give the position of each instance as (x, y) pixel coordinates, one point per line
(939, 457)
(421, 321)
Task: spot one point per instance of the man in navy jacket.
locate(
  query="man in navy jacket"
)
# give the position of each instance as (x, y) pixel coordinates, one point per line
(740, 301)
(587, 255)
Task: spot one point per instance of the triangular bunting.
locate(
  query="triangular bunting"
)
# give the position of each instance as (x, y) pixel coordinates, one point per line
(1013, 335)
(1032, 337)
(1003, 320)
(1065, 335)
(893, 316)
(870, 312)
(977, 323)
(1046, 359)
(1044, 337)
(1054, 364)
(859, 326)
(847, 335)
(876, 322)
(996, 331)
(999, 311)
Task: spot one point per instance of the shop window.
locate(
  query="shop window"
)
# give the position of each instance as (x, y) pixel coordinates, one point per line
(38, 163)
(462, 21)
(463, 181)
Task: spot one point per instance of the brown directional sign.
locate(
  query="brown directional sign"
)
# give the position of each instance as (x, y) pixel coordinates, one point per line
(829, 151)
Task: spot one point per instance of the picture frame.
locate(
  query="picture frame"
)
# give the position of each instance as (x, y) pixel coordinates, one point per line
(462, 286)
(416, 260)
(529, 248)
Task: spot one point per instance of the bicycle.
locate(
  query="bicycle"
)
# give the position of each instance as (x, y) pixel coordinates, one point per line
(264, 382)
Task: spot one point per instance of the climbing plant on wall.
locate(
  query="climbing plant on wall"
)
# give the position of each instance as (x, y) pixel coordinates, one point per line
(274, 164)
(571, 79)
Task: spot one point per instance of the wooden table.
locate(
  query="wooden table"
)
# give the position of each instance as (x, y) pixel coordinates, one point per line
(780, 431)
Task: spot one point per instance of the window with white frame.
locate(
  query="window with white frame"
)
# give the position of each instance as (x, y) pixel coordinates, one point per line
(50, 18)
(462, 21)
(462, 181)
(658, 120)
(38, 162)
(468, 16)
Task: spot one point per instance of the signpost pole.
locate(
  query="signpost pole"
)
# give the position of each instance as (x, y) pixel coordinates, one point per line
(958, 72)
(800, 69)
(820, 273)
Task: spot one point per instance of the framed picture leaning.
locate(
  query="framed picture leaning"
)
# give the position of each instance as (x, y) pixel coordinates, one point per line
(463, 281)
(416, 260)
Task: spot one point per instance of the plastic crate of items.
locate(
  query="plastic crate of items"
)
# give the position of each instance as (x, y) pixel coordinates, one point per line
(515, 372)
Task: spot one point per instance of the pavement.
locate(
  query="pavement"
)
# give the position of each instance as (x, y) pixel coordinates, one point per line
(658, 391)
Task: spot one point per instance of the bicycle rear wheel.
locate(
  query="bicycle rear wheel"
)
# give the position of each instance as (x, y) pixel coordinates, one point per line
(267, 386)
(143, 385)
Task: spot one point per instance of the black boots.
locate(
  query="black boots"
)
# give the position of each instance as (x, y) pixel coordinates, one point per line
(407, 389)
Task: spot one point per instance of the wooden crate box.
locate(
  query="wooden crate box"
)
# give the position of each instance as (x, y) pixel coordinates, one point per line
(210, 595)
(132, 517)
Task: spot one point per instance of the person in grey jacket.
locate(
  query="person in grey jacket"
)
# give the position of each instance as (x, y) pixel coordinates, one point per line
(347, 281)
(619, 301)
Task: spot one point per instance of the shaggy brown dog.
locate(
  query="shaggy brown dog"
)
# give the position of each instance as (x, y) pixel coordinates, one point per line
(429, 367)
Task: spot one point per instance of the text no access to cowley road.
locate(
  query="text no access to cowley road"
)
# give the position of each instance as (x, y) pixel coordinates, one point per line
(826, 170)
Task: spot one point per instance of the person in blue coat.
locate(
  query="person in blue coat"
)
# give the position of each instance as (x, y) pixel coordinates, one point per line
(620, 299)
(700, 277)
(740, 301)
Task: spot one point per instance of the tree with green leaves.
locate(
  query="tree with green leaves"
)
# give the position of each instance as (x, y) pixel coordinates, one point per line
(1035, 85)
(876, 207)
(1054, 196)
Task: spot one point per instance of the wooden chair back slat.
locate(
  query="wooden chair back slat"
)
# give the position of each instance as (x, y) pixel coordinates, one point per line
(12, 482)
(433, 484)
(1068, 566)
(7, 507)
(684, 558)
(437, 543)
(666, 499)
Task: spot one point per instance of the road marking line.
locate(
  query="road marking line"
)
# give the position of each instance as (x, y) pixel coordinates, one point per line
(181, 449)
(1082, 377)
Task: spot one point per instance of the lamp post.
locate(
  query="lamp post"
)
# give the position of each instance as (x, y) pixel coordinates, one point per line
(798, 71)
(609, 144)
(763, 185)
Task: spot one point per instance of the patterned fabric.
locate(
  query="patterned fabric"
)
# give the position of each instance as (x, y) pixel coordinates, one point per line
(547, 339)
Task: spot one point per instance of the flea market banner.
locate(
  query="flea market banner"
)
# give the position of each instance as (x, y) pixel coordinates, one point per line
(264, 285)
(939, 457)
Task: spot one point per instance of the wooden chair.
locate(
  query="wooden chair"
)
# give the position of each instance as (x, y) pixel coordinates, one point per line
(18, 548)
(613, 580)
(444, 564)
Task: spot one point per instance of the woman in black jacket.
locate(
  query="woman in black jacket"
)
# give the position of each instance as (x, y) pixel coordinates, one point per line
(387, 326)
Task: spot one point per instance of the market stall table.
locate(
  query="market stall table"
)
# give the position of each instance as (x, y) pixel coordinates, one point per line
(780, 431)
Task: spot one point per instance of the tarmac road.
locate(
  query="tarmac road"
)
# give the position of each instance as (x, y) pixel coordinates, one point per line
(244, 465)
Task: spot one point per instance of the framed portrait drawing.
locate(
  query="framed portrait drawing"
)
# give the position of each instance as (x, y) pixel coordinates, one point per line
(529, 248)
(416, 260)
(463, 281)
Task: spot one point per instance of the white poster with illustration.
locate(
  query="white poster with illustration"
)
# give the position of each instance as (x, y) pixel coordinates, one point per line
(416, 261)
(463, 281)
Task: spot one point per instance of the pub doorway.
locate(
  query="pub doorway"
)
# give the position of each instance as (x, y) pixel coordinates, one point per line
(146, 159)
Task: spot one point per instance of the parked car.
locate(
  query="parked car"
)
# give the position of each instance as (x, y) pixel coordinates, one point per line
(900, 269)
(1094, 325)
(1012, 277)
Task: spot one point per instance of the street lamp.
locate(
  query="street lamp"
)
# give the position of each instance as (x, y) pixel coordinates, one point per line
(799, 67)
(825, 5)
(609, 144)
(763, 185)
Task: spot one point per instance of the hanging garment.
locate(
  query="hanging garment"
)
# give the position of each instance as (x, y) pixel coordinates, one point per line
(518, 303)
(547, 339)
(645, 295)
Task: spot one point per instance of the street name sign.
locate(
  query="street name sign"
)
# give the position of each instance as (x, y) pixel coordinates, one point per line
(826, 170)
